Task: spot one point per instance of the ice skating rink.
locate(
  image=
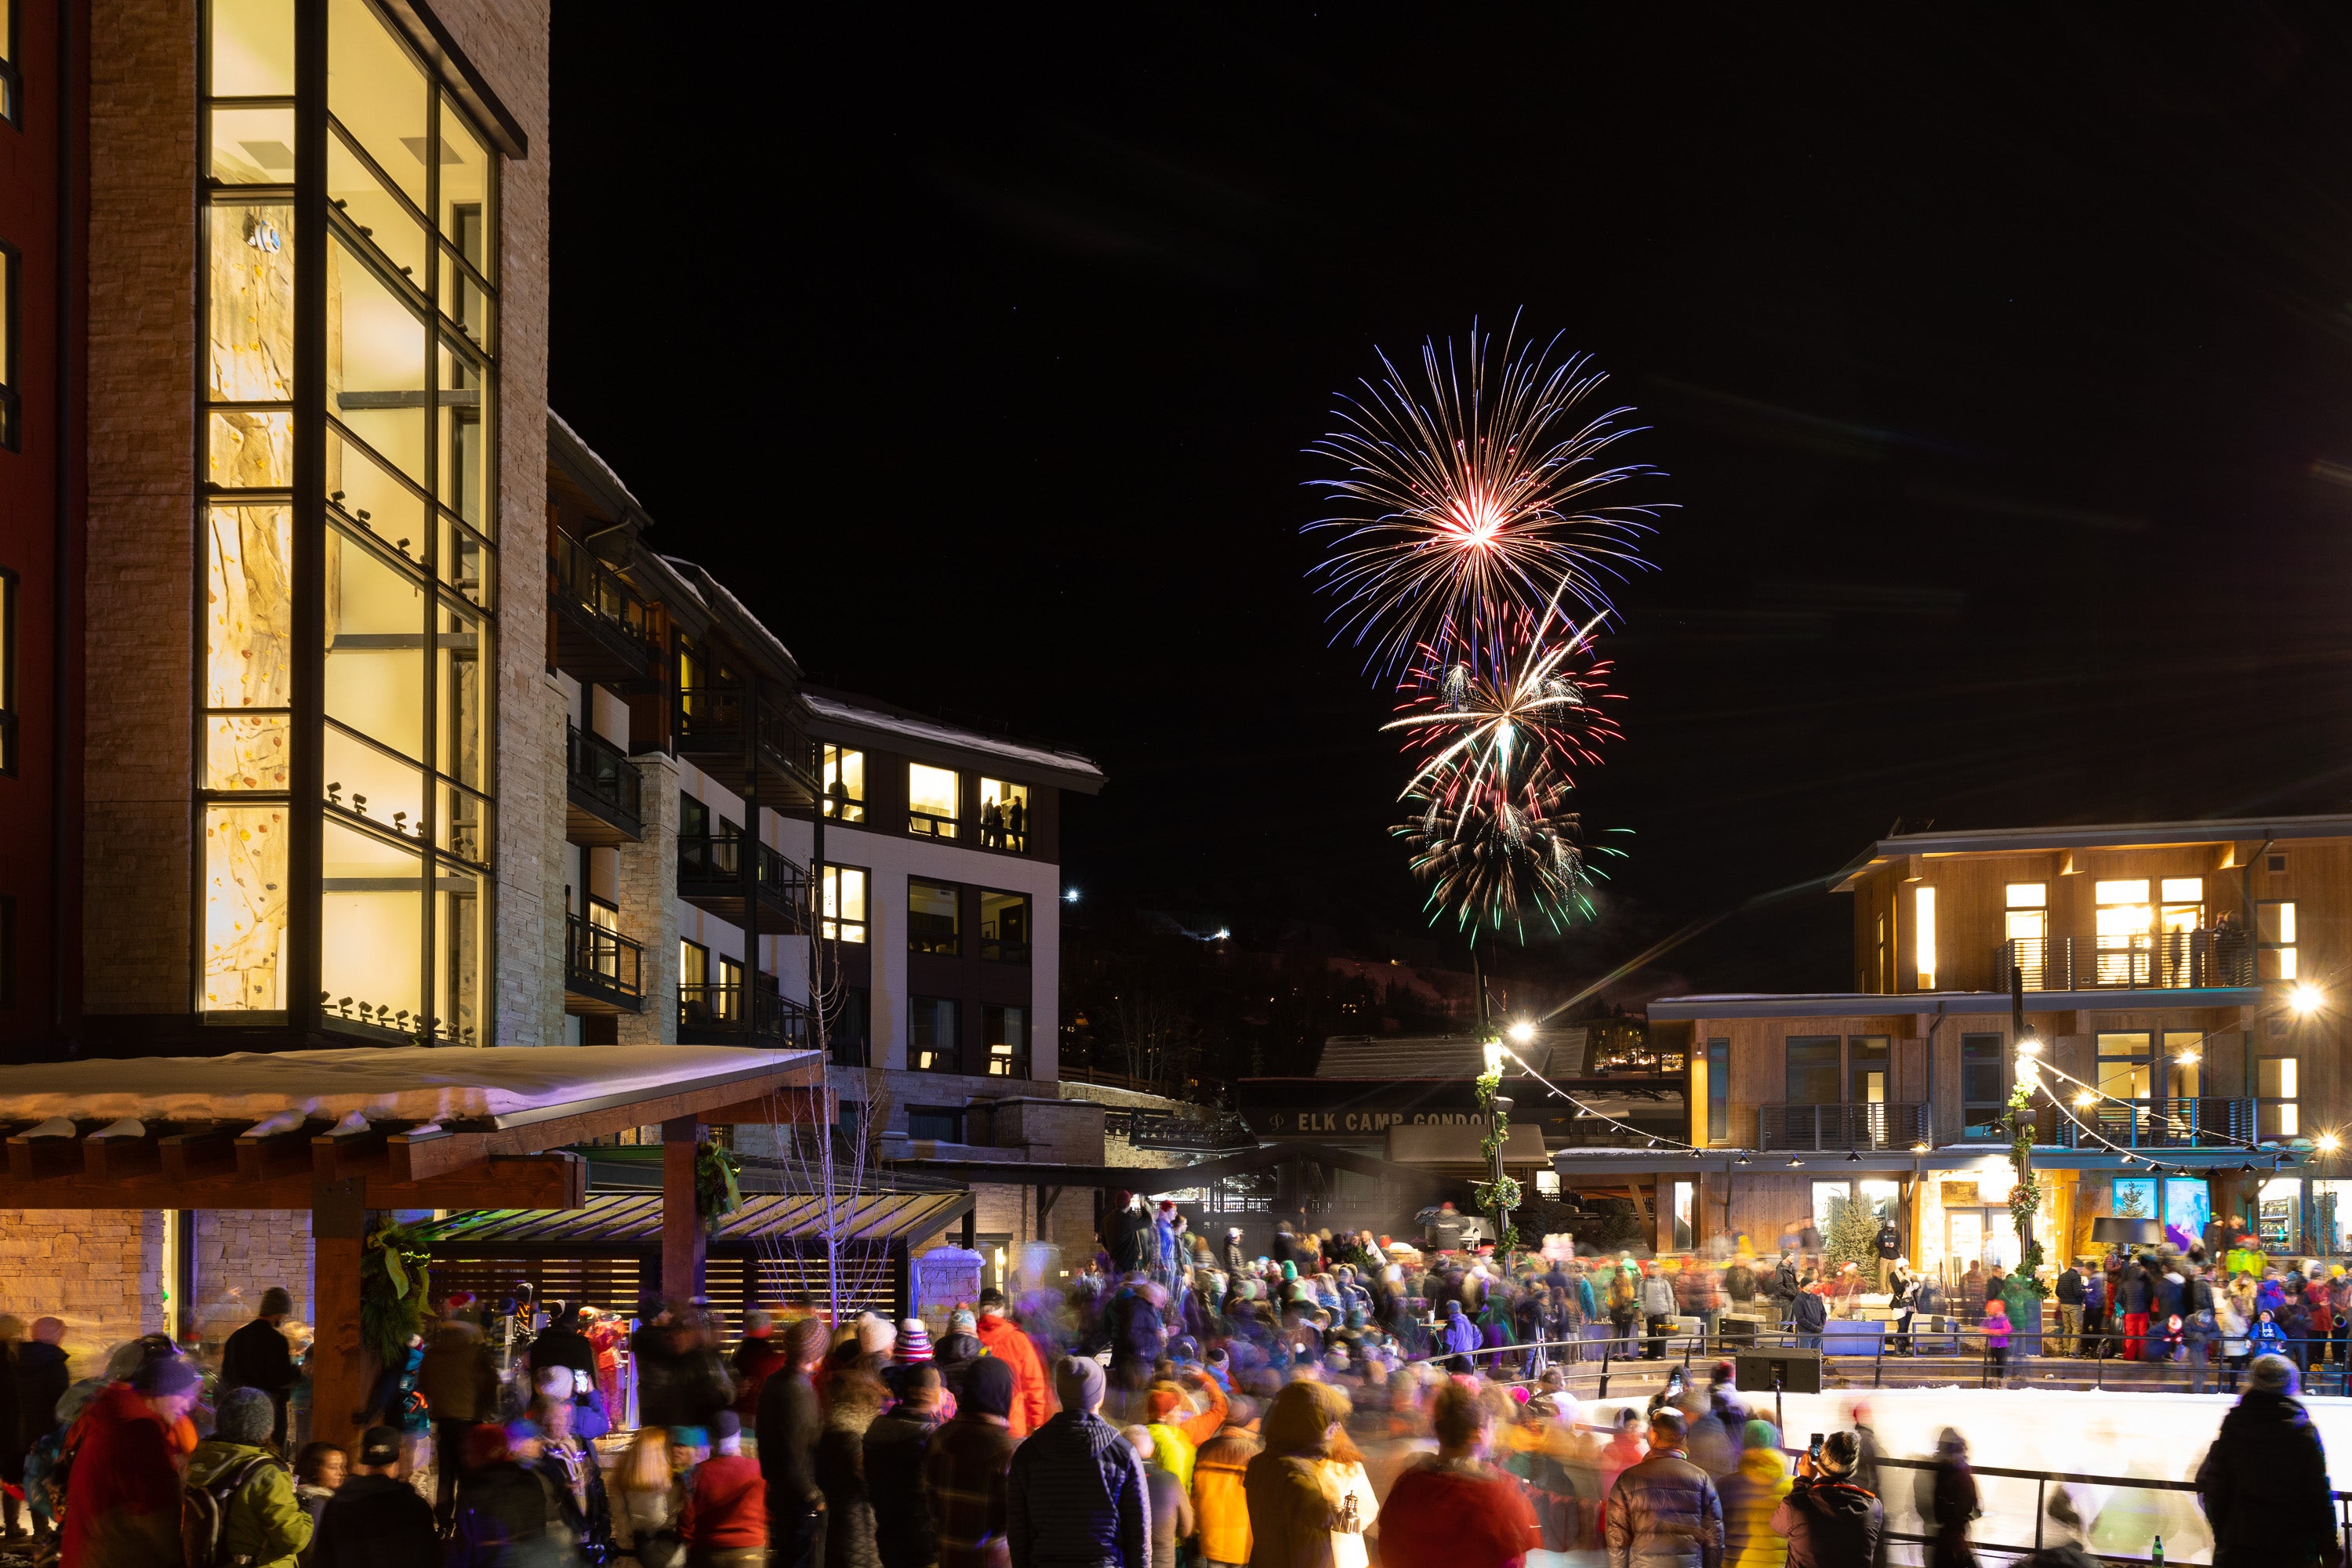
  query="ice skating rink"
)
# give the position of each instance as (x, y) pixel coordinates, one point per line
(2152, 1435)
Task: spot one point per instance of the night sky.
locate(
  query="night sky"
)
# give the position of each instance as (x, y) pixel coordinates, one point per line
(2002, 365)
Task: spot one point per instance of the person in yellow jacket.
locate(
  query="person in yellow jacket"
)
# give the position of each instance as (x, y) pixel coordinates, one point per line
(1219, 1507)
(1750, 1493)
(1175, 1433)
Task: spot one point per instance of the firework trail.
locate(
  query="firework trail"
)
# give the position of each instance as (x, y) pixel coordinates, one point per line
(1490, 490)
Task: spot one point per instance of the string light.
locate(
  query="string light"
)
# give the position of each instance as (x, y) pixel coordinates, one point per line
(1584, 1109)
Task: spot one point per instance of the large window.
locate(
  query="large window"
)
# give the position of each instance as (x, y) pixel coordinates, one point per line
(2025, 922)
(1984, 1085)
(1923, 934)
(1005, 1031)
(374, 486)
(1812, 1069)
(1004, 814)
(844, 903)
(2278, 1082)
(1005, 927)
(934, 797)
(1867, 1064)
(848, 1025)
(2124, 920)
(1718, 1092)
(932, 922)
(844, 784)
(2276, 940)
(932, 1043)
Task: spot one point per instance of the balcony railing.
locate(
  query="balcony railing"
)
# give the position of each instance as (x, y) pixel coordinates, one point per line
(710, 874)
(2171, 960)
(939, 825)
(602, 968)
(601, 628)
(717, 1012)
(603, 782)
(1877, 1124)
(710, 729)
(2180, 1123)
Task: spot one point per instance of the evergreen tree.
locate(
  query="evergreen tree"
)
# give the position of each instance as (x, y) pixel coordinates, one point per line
(1853, 1237)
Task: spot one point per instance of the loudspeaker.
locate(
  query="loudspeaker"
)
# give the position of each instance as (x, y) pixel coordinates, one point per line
(1776, 1371)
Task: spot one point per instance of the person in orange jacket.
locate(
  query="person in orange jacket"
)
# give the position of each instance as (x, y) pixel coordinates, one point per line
(1219, 1503)
(1175, 1434)
(1001, 1337)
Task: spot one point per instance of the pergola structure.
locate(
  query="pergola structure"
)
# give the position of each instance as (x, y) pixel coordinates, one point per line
(344, 1132)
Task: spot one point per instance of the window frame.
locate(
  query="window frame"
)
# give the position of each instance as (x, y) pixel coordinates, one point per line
(984, 942)
(914, 943)
(1834, 1068)
(2286, 926)
(12, 288)
(1017, 1061)
(954, 824)
(1007, 841)
(1999, 1104)
(829, 895)
(12, 80)
(832, 759)
(953, 1051)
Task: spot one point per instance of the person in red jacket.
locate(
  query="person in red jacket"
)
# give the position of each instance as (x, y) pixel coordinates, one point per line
(725, 1523)
(761, 1353)
(122, 1496)
(1001, 1337)
(1451, 1509)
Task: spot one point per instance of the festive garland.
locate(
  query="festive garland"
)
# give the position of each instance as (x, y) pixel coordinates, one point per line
(1498, 1198)
(396, 1280)
(716, 1191)
(2025, 1197)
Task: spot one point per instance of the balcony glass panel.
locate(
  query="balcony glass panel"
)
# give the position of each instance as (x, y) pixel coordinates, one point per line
(245, 909)
(252, 48)
(249, 316)
(248, 606)
(375, 634)
(253, 146)
(375, 92)
(372, 925)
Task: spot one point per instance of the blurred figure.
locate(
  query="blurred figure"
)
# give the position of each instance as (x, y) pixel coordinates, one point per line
(376, 1520)
(1075, 1494)
(1953, 1504)
(1292, 1512)
(647, 1494)
(789, 1424)
(965, 1471)
(460, 1383)
(853, 1398)
(258, 1356)
(123, 1496)
(725, 1522)
(897, 1448)
(1171, 1509)
(1220, 1503)
(1451, 1509)
(2264, 1484)
(1751, 1498)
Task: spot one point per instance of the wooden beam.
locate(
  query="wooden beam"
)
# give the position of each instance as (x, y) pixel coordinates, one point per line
(40, 1159)
(119, 1159)
(421, 1156)
(343, 1369)
(362, 1153)
(273, 1154)
(684, 1242)
(557, 1181)
(561, 1132)
(196, 1154)
(806, 1106)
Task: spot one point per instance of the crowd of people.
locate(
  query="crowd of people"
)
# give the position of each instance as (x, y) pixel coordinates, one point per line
(1337, 1402)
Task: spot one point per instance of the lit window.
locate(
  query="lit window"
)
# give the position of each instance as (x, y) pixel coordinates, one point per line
(1924, 938)
(2274, 934)
(12, 88)
(2276, 1082)
(1003, 816)
(933, 796)
(1005, 927)
(931, 1034)
(2026, 925)
(1547, 1183)
(931, 917)
(2124, 1065)
(1718, 1092)
(844, 903)
(2124, 924)
(844, 784)
(1006, 1032)
(2184, 890)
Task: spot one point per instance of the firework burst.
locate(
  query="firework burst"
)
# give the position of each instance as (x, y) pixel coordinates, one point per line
(1498, 861)
(1487, 491)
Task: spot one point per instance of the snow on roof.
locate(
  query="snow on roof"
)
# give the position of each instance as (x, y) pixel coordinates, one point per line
(849, 712)
(592, 455)
(725, 600)
(407, 1083)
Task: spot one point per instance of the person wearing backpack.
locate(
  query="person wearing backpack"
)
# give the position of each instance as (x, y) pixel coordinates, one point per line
(240, 1510)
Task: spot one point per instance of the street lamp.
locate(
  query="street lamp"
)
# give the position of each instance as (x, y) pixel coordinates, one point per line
(1523, 1033)
(2306, 999)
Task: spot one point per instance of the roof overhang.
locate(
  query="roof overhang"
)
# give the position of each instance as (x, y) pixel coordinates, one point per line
(840, 716)
(1638, 1164)
(2098, 836)
(1954, 1004)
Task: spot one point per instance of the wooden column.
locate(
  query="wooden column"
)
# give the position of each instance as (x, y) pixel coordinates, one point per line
(682, 1237)
(342, 1372)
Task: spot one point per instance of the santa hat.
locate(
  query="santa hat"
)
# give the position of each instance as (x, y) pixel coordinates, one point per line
(914, 1340)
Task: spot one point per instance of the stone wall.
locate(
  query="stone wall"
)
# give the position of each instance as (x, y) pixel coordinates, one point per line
(506, 42)
(99, 1269)
(649, 903)
(141, 593)
(240, 1253)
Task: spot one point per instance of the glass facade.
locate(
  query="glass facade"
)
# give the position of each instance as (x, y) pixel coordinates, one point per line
(347, 772)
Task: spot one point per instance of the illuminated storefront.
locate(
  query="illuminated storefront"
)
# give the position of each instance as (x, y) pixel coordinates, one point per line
(348, 347)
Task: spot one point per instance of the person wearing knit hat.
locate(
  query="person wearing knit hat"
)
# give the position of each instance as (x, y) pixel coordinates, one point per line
(1176, 1432)
(876, 1337)
(957, 1350)
(1752, 1494)
(966, 1469)
(914, 1340)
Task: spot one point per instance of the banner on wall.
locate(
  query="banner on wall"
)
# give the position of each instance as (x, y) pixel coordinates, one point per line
(2188, 1210)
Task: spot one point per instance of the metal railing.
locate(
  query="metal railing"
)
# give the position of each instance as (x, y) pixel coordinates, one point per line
(931, 824)
(2183, 1123)
(599, 771)
(590, 588)
(2148, 959)
(1872, 1124)
(710, 720)
(600, 962)
(714, 861)
(719, 1007)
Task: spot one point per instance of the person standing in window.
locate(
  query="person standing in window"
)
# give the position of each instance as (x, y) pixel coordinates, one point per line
(1015, 818)
(991, 824)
